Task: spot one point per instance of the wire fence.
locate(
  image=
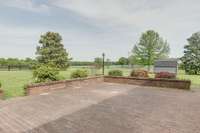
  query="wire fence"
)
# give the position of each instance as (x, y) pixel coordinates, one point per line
(126, 69)
(14, 67)
(27, 67)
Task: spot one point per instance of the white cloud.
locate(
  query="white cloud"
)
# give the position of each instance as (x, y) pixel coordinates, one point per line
(118, 24)
(131, 12)
(28, 5)
(175, 20)
(18, 41)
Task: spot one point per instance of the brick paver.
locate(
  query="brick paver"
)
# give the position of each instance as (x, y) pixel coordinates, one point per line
(104, 108)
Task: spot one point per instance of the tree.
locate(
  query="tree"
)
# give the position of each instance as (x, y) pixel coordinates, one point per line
(150, 48)
(191, 58)
(108, 63)
(98, 62)
(12, 62)
(3, 61)
(123, 61)
(30, 63)
(132, 61)
(51, 50)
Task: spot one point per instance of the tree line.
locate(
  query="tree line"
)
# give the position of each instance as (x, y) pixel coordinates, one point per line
(15, 63)
(150, 47)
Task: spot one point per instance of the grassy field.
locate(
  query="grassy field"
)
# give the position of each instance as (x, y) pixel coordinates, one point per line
(194, 78)
(13, 81)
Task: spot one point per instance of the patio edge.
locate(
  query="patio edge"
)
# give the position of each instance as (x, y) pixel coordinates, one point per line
(155, 82)
(39, 88)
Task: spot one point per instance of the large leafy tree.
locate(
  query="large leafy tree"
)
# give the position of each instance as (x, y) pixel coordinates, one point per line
(191, 58)
(150, 47)
(52, 51)
(123, 61)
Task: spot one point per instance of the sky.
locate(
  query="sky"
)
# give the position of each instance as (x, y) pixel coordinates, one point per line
(91, 27)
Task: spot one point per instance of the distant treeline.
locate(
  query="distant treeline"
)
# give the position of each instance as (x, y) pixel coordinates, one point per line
(90, 63)
(81, 63)
(29, 63)
(15, 63)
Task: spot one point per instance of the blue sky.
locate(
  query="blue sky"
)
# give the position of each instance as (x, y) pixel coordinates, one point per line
(90, 27)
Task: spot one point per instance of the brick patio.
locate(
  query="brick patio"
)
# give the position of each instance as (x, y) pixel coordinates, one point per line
(104, 108)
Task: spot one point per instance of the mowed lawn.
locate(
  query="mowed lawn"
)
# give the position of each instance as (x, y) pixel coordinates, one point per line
(194, 78)
(13, 81)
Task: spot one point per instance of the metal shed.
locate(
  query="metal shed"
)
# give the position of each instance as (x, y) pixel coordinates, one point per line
(166, 65)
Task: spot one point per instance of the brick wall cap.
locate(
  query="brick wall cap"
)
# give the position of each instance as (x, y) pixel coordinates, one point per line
(150, 79)
(61, 81)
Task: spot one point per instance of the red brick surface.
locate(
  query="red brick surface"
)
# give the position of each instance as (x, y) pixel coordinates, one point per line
(104, 108)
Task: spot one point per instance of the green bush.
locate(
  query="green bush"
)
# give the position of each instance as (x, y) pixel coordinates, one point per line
(45, 73)
(0, 84)
(79, 74)
(115, 73)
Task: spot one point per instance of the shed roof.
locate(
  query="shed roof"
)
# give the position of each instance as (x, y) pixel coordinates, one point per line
(166, 63)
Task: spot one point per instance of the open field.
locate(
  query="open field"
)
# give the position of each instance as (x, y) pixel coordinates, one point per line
(13, 81)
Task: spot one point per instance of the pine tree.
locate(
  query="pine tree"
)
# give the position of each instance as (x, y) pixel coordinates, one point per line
(52, 51)
(191, 58)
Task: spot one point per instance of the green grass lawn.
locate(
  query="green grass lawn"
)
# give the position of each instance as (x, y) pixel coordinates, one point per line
(194, 78)
(13, 81)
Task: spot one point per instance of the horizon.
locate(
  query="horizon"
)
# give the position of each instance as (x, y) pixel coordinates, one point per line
(90, 28)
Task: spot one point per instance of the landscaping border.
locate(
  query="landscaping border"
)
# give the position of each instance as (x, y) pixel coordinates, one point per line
(167, 83)
(39, 88)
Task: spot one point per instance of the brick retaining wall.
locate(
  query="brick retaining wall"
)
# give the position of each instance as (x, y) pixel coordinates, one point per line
(40, 88)
(58, 85)
(168, 83)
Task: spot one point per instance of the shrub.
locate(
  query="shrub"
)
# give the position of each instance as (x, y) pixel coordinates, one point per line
(115, 73)
(139, 73)
(79, 74)
(45, 73)
(0, 84)
(165, 75)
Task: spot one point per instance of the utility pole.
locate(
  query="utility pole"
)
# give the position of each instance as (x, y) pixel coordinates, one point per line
(103, 64)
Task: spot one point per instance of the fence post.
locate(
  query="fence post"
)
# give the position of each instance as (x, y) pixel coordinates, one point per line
(8, 67)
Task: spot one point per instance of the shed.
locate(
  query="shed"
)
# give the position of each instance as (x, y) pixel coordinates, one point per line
(166, 65)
